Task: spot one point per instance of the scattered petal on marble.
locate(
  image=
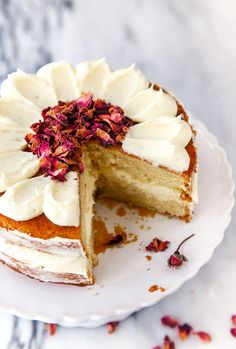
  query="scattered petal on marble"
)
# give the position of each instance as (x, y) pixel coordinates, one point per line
(233, 332)
(112, 326)
(233, 318)
(204, 336)
(184, 331)
(169, 321)
(51, 329)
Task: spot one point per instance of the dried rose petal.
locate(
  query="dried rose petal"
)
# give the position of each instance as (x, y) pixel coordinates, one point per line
(184, 331)
(233, 318)
(116, 117)
(51, 329)
(204, 336)
(169, 321)
(168, 344)
(104, 138)
(157, 245)
(57, 140)
(233, 332)
(116, 240)
(85, 100)
(112, 326)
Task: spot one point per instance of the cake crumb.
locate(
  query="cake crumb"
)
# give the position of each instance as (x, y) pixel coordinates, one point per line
(104, 239)
(132, 237)
(121, 211)
(148, 258)
(153, 288)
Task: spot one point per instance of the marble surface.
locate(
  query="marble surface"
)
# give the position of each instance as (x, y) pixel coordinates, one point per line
(189, 47)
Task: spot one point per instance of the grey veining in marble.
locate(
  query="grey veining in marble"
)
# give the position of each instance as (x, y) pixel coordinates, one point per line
(25, 32)
(189, 47)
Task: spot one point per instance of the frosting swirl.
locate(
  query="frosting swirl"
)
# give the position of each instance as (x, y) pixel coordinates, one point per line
(161, 141)
(59, 201)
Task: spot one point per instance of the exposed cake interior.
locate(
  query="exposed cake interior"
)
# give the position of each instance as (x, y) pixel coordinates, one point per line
(136, 181)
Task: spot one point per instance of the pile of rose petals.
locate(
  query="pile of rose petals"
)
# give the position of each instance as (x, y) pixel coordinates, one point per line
(58, 139)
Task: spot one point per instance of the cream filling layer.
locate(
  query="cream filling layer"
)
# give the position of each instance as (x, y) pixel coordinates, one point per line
(159, 191)
(153, 189)
(36, 259)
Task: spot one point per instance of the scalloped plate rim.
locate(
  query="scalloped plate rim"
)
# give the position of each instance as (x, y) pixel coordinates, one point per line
(94, 320)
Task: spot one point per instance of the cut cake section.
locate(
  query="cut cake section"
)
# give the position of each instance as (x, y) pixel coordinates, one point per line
(90, 137)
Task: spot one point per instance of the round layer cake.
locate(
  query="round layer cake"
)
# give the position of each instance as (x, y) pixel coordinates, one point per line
(69, 134)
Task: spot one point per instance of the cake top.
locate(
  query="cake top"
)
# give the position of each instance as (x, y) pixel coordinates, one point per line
(65, 106)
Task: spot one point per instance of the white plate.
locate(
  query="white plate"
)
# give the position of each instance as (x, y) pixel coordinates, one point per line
(122, 276)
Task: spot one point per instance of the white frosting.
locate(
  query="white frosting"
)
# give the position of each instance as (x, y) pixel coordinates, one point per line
(162, 141)
(162, 153)
(29, 88)
(15, 114)
(24, 200)
(162, 128)
(29, 198)
(160, 137)
(91, 76)
(61, 202)
(61, 75)
(16, 166)
(122, 84)
(150, 103)
(12, 140)
(56, 263)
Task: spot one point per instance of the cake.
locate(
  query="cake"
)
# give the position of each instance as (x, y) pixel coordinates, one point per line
(71, 134)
